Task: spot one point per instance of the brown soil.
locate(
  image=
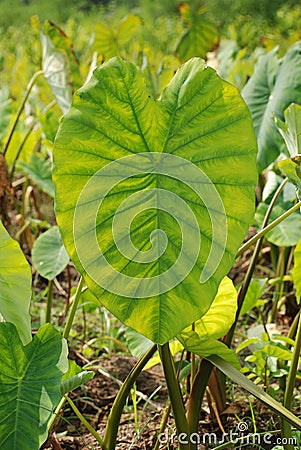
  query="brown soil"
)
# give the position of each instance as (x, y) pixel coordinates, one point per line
(96, 398)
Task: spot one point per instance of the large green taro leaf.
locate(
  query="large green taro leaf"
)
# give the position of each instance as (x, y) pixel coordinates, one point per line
(30, 380)
(274, 85)
(15, 285)
(153, 197)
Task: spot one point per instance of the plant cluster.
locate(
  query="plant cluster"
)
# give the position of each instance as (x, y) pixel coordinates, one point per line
(152, 159)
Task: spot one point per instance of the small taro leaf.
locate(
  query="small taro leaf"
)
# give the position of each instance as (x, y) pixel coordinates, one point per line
(290, 130)
(288, 232)
(49, 123)
(39, 170)
(274, 85)
(254, 292)
(114, 124)
(292, 170)
(109, 40)
(296, 272)
(59, 64)
(62, 42)
(273, 181)
(207, 346)
(17, 141)
(73, 369)
(105, 43)
(5, 111)
(198, 40)
(89, 301)
(137, 343)
(56, 72)
(276, 351)
(74, 377)
(69, 384)
(15, 285)
(30, 379)
(215, 323)
(128, 29)
(236, 376)
(49, 254)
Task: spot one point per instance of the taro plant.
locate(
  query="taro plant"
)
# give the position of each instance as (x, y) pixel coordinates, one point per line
(153, 199)
(31, 369)
(50, 259)
(34, 371)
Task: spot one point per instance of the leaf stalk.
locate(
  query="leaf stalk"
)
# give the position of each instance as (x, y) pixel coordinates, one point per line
(174, 394)
(109, 440)
(20, 110)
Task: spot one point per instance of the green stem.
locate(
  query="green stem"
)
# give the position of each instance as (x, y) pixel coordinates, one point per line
(84, 421)
(109, 441)
(55, 415)
(29, 131)
(196, 396)
(294, 326)
(66, 332)
(49, 301)
(259, 239)
(134, 401)
(20, 149)
(174, 394)
(73, 309)
(280, 270)
(20, 110)
(193, 368)
(286, 428)
(269, 227)
(163, 425)
(167, 410)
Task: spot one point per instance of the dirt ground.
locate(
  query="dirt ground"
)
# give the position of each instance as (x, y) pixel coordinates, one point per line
(96, 398)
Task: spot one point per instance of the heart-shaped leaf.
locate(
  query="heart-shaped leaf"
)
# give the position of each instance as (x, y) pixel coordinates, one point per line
(119, 38)
(49, 254)
(285, 234)
(75, 377)
(30, 380)
(273, 86)
(130, 170)
(60, 65)
(15, 285)
(290, 129)
(197, 40)
(39, 170)
(290, 167)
